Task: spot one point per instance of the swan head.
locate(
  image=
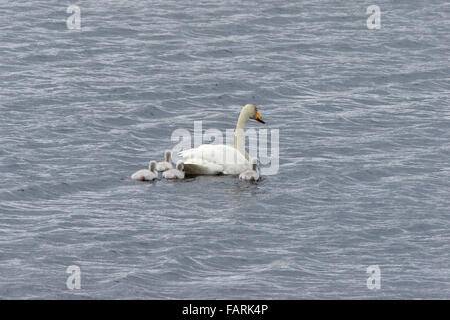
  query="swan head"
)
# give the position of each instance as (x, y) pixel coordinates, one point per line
(253, 113)
(152, 165)
(180, 165)
(167, 155)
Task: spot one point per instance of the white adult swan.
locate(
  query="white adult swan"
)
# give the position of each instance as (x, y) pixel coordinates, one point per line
(251, 175)
(211, 159)
(146, 175)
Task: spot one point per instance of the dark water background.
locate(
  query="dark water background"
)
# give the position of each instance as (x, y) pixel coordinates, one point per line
(364, 174)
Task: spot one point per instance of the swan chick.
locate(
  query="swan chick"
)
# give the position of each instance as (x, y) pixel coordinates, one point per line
(251, 175)
(166, 164)
(146, 174)
(177, 173)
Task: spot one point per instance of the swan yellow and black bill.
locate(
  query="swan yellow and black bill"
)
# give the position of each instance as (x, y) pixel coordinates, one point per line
(258, 117)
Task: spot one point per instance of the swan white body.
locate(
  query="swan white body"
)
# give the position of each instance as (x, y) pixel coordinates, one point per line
(165, 165)
(146, 174)
(177, 173)
(251, 175)
(212, 159)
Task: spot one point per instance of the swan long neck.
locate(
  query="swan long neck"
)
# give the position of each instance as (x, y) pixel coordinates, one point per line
(239, 131)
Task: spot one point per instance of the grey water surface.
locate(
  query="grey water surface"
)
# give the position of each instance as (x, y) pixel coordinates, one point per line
(364, 149)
